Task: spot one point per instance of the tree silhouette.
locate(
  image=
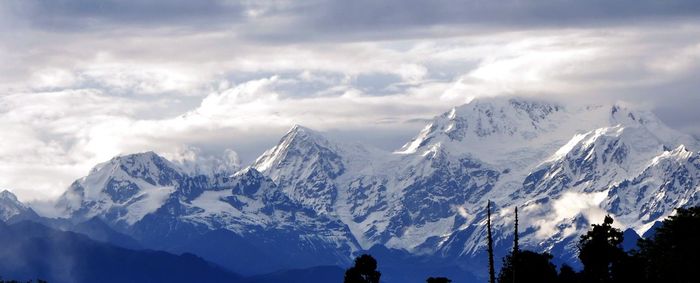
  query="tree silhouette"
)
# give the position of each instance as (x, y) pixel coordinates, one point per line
(673, 254)
(516, 245)
(438, 280)
(364, 271)
(629, 269)
(530, 266)
(508, 270)
(492, 272)
(600, 252)
(568, 275)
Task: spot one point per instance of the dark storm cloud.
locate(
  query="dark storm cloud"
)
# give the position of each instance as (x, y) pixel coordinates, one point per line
(318, 19)
(341, 20)
(77, 15)
(367, 14)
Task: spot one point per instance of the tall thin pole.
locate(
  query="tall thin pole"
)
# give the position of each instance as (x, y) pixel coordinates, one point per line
(516, 247)
(492, 272)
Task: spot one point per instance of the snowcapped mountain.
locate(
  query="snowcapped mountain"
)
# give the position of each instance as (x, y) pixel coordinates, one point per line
(124, 189)
(160, 204)
(305, 165)
(669, 181)
(565, 166)
(594, 160)
(11, 209)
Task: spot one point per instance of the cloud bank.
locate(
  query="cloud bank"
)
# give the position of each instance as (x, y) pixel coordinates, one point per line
(82, 81)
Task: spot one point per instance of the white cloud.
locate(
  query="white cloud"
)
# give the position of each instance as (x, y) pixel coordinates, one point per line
(53, 78)
(70, 100)
(194, 161)
(678, 61)
(566, 208)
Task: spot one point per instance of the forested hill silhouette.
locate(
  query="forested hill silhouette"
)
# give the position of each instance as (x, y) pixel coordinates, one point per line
(671, 253)
(33, 250)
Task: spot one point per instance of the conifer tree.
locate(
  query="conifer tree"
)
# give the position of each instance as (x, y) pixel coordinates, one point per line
(492, 272)
(600, 252)
(511, 262)
(516, 245)
(364, 271)
(672, 254)
(567, 275)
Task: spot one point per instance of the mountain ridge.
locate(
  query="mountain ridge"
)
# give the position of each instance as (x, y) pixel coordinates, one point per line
(565, 166)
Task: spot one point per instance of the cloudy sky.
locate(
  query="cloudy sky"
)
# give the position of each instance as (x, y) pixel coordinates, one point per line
(82, 81)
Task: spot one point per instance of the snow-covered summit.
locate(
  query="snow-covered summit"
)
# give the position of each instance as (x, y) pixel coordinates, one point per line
(596, 160)
(304, 163)
(507, 131)
(133, 184)
(671, 180)
(487, 119)
(298, 142)
(11, 208)
(148, 166)
(8, 196)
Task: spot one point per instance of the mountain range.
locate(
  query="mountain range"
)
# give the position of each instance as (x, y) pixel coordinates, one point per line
(312, 200)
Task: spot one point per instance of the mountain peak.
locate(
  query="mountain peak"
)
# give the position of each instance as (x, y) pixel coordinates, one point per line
(6, 195)
(681, 149)
(298, 127)
(493, 118)
(248, 171)
(130, 159)
(12, 208)
(305, 163)
(139, 157)
(133, 184)
(623, 114)
(679, 153)
(299, 131)
(148, 166)
(298, 138)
